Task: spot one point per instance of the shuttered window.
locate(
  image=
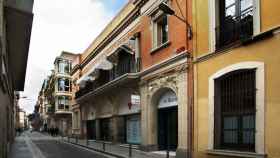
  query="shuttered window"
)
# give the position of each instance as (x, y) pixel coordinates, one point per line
(235, 110)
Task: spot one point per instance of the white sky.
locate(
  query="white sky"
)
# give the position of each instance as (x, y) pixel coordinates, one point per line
(58, 25)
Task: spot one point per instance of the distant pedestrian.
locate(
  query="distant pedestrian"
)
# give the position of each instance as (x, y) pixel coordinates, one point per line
(56, 131)
(52, 131)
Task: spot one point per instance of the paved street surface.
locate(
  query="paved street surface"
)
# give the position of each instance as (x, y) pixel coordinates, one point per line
(37, 145)
(120, 150)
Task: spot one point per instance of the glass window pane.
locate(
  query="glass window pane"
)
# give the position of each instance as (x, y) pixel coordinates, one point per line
(230, 137)
(245, 4)
(60, 67)
(248, 137)
(66, 67)
(230, 122)
(67, 84)
(229, 2)
(61, 84)
(231, 11)
(164, 29)
(248, 122)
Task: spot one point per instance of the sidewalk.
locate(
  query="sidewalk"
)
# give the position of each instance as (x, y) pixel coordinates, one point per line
(24, 148)
(117, 150)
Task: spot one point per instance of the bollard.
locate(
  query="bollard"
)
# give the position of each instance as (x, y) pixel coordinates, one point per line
(167, 150)
(76, 139)
(87, 141)
(130, 150)
(68, 139)
(103, 146)
(104, 143)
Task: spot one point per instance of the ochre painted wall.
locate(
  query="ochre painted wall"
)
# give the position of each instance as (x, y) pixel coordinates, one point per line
(266, 51)
(270, 14)
(269, 18)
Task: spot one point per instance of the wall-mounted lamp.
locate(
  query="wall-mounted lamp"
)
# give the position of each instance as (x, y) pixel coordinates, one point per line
(168, 10)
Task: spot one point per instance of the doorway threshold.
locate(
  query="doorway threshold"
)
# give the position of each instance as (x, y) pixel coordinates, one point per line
(164, 152)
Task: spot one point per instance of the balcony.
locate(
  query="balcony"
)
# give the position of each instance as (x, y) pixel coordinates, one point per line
(234, 29)
(122, 73)
(18, 18)
(63, 93)
(50, 109)
(24, 5)
(63, 109)
(127, 66)
(63, 87)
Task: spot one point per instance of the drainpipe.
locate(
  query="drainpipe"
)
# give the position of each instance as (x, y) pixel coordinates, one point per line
(81, 122)
(190, 82)
(137, 51)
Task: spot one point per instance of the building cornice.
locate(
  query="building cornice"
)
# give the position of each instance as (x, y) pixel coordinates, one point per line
(261, 36)
(118, 29)
(164, 63)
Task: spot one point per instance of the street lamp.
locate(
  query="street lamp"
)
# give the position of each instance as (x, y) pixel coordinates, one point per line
(168, 10)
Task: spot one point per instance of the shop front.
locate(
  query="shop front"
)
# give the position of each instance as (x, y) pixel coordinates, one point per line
(91, 129)
(130, 119)
(106, 130)
(133, 129)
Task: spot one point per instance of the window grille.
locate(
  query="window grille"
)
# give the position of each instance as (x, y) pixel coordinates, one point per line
(235, 110)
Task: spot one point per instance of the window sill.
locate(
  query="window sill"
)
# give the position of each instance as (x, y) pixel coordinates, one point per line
(235, 153)
(238, 43)
(164, 45)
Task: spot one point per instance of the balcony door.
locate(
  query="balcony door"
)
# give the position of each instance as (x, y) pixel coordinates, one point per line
(125, 64)
(235, 21)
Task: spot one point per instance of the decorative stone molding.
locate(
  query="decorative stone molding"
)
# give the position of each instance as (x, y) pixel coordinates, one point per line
(260, 102)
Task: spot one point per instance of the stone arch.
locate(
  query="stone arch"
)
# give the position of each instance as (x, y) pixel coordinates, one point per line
(159, 92)
(154, 109)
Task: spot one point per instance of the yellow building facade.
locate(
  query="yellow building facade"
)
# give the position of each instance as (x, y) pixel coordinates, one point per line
(236, 61)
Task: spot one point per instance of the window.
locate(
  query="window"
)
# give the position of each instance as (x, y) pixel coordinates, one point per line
(235, 110)
(234, 21)
(160, 30)
(64, 66)
(63, 102)
(64, 85)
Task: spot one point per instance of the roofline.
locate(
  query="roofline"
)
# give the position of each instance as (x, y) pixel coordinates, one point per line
(126, 21)
(106, 27)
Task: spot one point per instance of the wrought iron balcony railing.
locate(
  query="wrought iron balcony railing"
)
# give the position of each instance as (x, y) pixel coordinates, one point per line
(234, 29)
(125, 67)
(63, 108)
(50, 110)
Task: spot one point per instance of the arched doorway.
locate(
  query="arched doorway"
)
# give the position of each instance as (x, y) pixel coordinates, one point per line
(167, 120)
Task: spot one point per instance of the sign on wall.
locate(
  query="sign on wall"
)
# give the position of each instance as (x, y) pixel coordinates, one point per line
(168, 99)
(135, 99)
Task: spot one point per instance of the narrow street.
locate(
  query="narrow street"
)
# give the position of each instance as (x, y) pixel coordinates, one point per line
(37, 145)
